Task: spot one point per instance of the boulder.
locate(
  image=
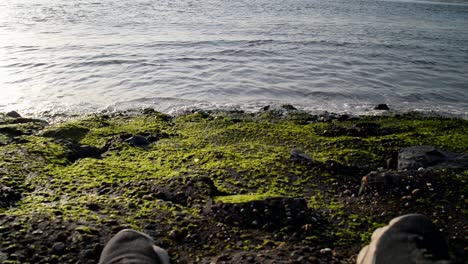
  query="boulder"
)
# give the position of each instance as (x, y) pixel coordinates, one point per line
(13, 114)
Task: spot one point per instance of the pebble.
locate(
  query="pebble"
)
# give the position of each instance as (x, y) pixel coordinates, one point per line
(325, 250)
(58, 247)
(406, 197)
(37, 232)
(224, 258)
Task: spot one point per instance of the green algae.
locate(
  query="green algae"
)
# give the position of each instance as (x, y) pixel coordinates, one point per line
(246, 155)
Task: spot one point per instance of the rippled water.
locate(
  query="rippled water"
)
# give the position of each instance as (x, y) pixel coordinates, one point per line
(337, 55)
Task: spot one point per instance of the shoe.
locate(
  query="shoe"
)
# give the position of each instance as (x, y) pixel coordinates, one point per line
(411, 238)
(132, 247)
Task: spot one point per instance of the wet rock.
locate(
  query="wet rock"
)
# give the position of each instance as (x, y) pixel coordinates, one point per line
(301, 157)
(8, 196)
(138, 141)
(288, 107)
(224, 257)
(271, 214)
(381, 107)
(13, 114)
(426, 156)
(58, 247)
(93, 206)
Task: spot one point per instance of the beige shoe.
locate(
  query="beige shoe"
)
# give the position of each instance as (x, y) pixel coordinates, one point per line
(406, 239)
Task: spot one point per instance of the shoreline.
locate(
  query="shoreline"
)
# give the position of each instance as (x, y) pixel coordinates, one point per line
(54, 117)
(191, 181)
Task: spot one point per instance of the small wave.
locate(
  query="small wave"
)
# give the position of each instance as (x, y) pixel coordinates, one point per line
(246, 53)
(101, 63)
(29, 65)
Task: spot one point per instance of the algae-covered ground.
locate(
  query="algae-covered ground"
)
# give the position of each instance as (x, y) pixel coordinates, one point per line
(277, 186)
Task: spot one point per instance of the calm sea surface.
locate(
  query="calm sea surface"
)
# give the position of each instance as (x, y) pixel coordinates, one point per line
(75, 56)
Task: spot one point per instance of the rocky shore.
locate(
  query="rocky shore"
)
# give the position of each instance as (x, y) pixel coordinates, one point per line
(277, 186)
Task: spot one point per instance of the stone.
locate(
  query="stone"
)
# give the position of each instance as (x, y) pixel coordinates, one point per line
(8, 196)
(13, 114)
(288, 107)
(425, 156)
(138, 141)
(381, 107)
(58, 247)
(224, 257)
(325, 250)
(300, 156)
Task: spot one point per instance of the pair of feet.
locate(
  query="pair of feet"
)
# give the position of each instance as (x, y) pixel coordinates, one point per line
(406, 239)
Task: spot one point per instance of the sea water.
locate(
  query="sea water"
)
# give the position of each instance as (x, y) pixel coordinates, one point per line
(345, 56)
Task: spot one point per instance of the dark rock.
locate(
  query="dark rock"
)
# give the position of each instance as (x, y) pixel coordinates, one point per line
(93, 206)
(58, 247)
(8, 196)
(13, 114)
(381, 107)
(224, 257)
(138, 141)
(288, 107)
(430, 157)
(87, 151)
(148, 111)
(301, 157)
(392, 162)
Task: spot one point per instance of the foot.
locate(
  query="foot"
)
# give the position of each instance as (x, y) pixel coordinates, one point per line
(132, 247)
(409, 238)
